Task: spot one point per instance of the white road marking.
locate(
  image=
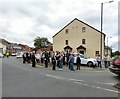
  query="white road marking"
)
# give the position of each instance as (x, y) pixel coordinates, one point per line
(110, 83)
(56, 77)
(98, 87)
(79, 82)
(99, 71)
(76, 80)
(105, 83)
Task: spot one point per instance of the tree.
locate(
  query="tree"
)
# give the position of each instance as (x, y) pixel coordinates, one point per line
(115, 53)
(108, 47)
(41, 42)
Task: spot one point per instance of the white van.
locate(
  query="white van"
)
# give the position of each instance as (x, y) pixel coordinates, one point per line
(86, 60)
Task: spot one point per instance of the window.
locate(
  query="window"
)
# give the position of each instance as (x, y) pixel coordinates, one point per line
(83, 29)
(66, 42)
(66, 31)
(83, 41)
(97, 53)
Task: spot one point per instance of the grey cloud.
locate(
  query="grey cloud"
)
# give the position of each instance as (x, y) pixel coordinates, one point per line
(23, 11)
(115, 46)
(60, 23)
(42, 20)
(28, 9)
(93, 20)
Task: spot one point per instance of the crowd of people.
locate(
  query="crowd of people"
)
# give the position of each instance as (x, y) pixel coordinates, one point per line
(58, 59)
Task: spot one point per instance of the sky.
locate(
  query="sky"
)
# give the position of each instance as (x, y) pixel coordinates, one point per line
(21, 21)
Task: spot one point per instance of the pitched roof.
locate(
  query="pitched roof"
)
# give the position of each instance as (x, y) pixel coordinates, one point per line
(81, 22)
(81, 47)
(67, 47)
(5, 42)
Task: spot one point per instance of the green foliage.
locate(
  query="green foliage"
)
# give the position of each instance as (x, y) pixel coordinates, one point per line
(108, 47)
(41, 42)
(116, 53)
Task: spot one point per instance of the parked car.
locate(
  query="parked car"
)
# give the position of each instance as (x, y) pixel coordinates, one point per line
(86, 60)
(115, 67)
(19, 54)
(13, 54)
(1, 55)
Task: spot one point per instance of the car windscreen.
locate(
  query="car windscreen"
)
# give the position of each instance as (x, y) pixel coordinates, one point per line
(118, 59)
(82, 56)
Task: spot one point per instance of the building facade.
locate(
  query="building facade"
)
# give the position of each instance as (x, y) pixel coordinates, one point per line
(108, 51)
(4, 46)
(47, 48)
(15, 48)
(79, 37)
(12, 48)
(19, 48)
(25, 48)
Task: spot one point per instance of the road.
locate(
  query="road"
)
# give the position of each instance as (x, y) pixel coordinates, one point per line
(21, 80)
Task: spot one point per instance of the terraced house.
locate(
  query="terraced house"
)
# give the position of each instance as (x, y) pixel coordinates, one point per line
(79, 37)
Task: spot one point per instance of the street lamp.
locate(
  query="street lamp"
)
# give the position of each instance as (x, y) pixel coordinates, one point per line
(102, 26)
(107, 44)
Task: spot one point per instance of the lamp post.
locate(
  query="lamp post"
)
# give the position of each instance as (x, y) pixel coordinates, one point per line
(102, 26)
(107, 44)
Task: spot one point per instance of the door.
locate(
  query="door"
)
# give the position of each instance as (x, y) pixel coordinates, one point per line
(82, 52)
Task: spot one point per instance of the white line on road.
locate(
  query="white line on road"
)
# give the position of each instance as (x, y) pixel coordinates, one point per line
(105, 83)
(98, 87)
(76, 80)
(79, 82)
(56, 77)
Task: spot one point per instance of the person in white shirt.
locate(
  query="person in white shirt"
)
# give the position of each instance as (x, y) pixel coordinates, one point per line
(99, 61)
(37, 56)
(105, 61)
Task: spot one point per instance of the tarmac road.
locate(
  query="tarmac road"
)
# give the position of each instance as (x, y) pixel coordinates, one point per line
(21, 80)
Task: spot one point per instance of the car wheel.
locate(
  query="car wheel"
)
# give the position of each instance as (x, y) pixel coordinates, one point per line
(90, 64)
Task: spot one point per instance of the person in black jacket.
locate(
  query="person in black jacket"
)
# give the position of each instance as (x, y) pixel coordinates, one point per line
(54, 62)
(46, 59)
(67, 57)
(64, 59)
(58, 59)
(24, 58)
(33, 60)
(78, 62)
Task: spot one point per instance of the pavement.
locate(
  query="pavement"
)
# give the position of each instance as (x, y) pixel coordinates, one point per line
(81, 68)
